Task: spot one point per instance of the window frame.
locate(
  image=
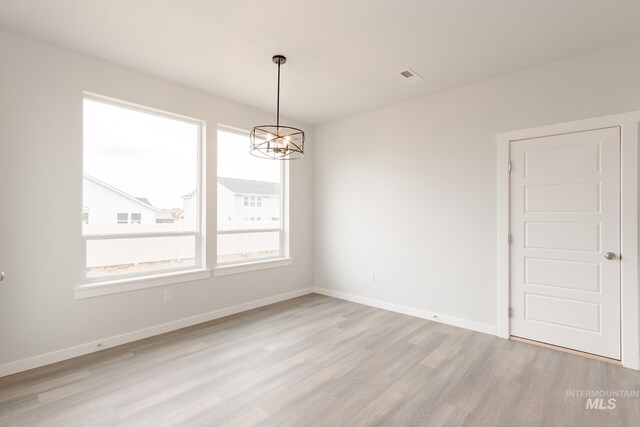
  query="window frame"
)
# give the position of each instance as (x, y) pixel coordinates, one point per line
(159, 276)
(283, 258)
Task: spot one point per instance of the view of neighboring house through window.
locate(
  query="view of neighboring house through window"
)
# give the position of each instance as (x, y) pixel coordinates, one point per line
(141, 187)
(250, 202)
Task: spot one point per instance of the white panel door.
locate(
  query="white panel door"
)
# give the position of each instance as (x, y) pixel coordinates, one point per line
(565, 218)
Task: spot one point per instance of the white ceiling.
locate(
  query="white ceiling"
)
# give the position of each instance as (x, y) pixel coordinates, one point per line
(343, 55)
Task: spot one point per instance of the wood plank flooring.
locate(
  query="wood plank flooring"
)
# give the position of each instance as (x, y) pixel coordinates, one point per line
(320, 361)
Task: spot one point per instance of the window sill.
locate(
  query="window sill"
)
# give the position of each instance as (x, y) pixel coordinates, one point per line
(226, 270)
(88, 290)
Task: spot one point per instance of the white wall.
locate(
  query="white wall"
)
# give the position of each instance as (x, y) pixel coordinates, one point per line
(41, 89)
(190, 209)
(270, 208)
(226, 205)
(409, 192)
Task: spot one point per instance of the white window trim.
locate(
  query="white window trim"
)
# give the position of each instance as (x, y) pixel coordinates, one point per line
(262, 264)
(90, 287)
(89, 290)
(284, 259)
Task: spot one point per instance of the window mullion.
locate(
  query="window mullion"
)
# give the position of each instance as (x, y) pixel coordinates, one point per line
(137, 235)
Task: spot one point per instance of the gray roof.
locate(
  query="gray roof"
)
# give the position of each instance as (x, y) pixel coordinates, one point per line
(144, 200)
(247, 186)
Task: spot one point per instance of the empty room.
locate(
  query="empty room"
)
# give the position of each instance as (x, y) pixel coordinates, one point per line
(319, 213)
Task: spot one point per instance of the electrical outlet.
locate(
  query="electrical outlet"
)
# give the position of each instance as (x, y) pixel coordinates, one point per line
(168, 296)
(372, 278)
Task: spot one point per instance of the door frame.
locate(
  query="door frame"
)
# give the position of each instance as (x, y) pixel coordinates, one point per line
(630, 295)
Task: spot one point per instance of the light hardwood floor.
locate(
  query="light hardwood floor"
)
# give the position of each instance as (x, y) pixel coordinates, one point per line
(319, 361)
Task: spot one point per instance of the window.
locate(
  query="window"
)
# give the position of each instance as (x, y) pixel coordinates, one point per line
(249, 229)
(252, 201)
(123, 218)
(141, 182)
(85, 217)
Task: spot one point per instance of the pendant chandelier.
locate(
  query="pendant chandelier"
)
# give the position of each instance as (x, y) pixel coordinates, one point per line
(275, 141)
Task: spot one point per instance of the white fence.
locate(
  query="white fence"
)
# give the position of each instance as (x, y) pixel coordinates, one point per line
(114, 251)
(109, 252)
(248, 243)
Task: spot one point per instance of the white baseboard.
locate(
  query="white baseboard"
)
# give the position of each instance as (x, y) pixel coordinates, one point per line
(423, 314)
(91, 347)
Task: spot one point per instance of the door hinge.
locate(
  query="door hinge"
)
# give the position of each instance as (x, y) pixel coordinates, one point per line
(510, 312)
(509, 166)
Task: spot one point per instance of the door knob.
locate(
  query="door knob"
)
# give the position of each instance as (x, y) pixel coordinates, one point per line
(1, 276)
(610, 255)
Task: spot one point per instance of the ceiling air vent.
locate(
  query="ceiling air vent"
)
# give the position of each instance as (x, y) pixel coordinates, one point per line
(410, 76)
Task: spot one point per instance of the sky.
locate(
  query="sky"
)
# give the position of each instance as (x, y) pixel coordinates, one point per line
(234, 160)
(152, 156)
(142, 154)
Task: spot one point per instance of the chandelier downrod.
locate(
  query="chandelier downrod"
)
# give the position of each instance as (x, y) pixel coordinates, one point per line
(279, 60)
(278, 99)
